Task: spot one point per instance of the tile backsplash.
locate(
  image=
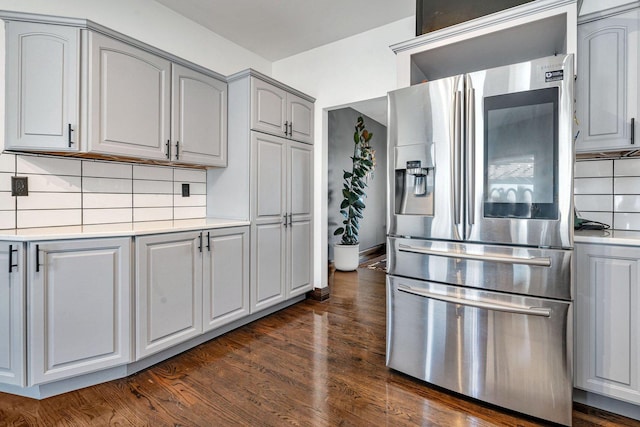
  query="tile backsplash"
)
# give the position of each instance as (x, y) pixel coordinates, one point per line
(609, 191)
(68, 191)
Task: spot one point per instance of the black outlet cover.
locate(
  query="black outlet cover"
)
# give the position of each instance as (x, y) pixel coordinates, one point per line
(19, 186)
(185, 190)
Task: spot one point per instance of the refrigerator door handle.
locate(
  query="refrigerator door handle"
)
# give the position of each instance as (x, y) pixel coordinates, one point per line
(456, 172)
(471, 131)
(494, 306)
(535, 261)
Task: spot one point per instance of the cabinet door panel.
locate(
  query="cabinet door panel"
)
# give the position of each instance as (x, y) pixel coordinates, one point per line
(12, 312)
(199, 119)
(268, 108)
(606, 87)
(226, 277)
(300, 164)
(42, 86)
(608, 321)
(169, 291)
(269, 177)
(129, 100)
(300, 235)
(79, 312)
(301, 118)
(268, 265)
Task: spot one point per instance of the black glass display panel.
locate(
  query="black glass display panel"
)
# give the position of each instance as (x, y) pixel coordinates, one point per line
(521, 155)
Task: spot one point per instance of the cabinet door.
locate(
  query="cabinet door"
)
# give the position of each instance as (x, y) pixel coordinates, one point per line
(168, 290)
(268, 108)
(12, 314)
(268, 167)
(268, 252)
(226, 276)
(79, 307)
(199, 118)
(608, 321)
(300, 116)
(129, 98)
(299, 257)
(42, 84)
(607, 87)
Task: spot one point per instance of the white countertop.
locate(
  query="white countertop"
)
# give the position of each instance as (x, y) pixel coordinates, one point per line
(118, 230)
(608, 237)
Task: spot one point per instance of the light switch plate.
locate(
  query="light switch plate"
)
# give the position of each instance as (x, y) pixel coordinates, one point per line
(19, 186)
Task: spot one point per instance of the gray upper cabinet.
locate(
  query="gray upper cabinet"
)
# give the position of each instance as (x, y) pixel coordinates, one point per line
(129, 100)
(281, 113)
(198, 118)
(607, 84)
(42, 87)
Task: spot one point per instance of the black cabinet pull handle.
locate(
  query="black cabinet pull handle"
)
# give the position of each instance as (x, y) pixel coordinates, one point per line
(633, 130)
(168, 150)
(290, 128)
(69, 134)
(209, 241)
(285, 219)
(286, 128)
(37, 258)
(177, 150)
(200, 244)
(11, 264)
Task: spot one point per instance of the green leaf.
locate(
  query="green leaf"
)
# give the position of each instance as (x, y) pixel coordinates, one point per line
(358, 203)
(344, 204)
(347, 175)
(356, 138)
(338, 231)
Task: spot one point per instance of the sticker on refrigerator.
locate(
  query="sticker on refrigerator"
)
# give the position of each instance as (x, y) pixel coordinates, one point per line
(552, 76)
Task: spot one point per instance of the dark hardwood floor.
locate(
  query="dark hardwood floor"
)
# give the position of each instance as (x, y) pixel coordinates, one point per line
(313, 364)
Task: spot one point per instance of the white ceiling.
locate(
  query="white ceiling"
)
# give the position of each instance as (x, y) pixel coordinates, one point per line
(276, 29)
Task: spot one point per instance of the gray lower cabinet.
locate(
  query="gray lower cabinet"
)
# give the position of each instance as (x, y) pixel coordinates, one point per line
(188, 283)
(12, 313)
(79, 317)
(607, 352)
(607, 90)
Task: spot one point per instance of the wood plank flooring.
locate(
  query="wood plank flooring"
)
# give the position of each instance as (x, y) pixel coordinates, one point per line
(313, 364)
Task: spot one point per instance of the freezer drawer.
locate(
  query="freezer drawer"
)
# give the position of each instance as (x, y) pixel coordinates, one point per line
(545, 273)
(511, 351)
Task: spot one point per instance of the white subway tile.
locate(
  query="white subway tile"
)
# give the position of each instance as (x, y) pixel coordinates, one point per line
(48, 166)
(53, 183)
(194, 188)
(189, 175)
(626, 185)
(152, 200)
(106, 170)
(50, 201)
(7, 220)
(193, 200)
(189, 212)
(158, 173)
(7, 201)
(104, 200)
(106, 185)
(152, 214)
(49, 218)
(5, 181)
(604, 217)
(593, 168)
(7, 162)
(626, 221)
(626, 167)
(152, 187)
(627, 203)
(593, 185)
(106, 216)
(591, 202)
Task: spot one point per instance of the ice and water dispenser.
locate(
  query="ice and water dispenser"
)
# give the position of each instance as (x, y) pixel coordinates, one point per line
(414, 183)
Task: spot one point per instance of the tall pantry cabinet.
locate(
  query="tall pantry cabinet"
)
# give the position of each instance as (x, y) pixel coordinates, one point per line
(271, 159)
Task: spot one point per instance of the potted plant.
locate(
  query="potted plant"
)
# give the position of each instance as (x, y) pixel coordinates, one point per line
(346, 253)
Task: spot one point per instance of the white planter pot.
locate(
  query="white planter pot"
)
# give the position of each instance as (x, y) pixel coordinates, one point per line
(346, 257)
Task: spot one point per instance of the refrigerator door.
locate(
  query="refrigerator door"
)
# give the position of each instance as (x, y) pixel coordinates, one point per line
(520, 154)
(512, 351)
(425, 160)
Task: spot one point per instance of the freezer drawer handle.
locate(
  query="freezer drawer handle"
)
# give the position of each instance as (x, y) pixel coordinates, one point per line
(542, 261)
(517, 309)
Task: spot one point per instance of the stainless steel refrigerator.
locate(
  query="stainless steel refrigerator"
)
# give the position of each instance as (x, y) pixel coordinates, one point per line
(480, 235)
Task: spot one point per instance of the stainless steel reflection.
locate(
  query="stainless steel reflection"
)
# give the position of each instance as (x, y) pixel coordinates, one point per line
(484, 345)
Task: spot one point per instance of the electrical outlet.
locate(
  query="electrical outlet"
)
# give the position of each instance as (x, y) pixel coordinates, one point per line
(185, 190)
(19, 186)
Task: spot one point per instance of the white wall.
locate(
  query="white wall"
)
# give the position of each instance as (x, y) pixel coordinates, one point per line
(353, 69)
(589, 6)
(155, 24)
